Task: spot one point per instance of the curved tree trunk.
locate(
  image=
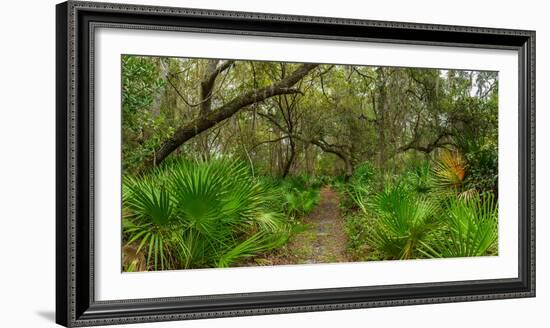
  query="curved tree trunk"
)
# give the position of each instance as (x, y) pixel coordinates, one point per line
(213, 117)
(349, 169)
(290, 160)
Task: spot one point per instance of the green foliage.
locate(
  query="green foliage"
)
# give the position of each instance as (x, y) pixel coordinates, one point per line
(404, 222)
(300, 194)
(482, 158)
(356, 226)
(357, 190)
(390, 128)
(363, 173)
(141, 130)
(152, 227)
(471, 228)
(299, 182)
(417, 216)
(356, 196)
(450, 169)
(139, 83)
(301, 202)
(192, 214)
(419, 178)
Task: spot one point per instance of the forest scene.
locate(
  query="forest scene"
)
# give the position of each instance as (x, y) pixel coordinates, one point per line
(239, 163)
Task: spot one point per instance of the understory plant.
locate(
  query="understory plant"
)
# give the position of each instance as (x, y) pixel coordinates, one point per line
(194, 214)
(299, 203)
(450, 169)
(357, 191)
(402, 223)
(419, 178)
(300, 195)
(418, 216)
(471, 228)
(482, 158)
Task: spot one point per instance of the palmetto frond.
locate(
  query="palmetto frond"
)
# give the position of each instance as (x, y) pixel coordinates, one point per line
(199, 214)
(403, 221)
(450, 169)
(472, 228)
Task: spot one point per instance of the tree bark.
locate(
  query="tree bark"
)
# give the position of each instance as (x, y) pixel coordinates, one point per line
(349, 169)
(163, 72)
(438, 142)
(208, 82)
(205, 122)
(381, 110)
(290, 159)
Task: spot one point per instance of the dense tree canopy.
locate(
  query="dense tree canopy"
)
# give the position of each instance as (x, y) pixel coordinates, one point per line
(286, 117)
(225, 161)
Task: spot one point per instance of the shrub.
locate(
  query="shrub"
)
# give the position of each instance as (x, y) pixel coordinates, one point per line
(357, 228)
(356, 196)
(190, 214)
(481, 154)
(355, 193)
(471, 228)
(403, 223)
(298, 182)
(419, 178)
(298, 194)
(301, 202)
(420, 213)
(363, 173)
(323, 180)
(153, 222)
(483, 172)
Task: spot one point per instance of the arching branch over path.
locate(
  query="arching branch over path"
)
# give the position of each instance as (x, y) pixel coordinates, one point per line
(225, 111)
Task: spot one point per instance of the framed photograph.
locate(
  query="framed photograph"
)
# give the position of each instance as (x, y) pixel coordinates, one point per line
(215, 164)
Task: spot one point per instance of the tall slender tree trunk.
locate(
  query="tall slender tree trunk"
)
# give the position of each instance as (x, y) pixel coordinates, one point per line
(382, 112)
(290, 159)
(348, 169)
(308, 159)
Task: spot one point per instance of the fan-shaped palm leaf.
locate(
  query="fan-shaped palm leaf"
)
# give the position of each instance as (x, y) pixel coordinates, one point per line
(472, 228)
(402, 223)
(450, 169)
(191, 214)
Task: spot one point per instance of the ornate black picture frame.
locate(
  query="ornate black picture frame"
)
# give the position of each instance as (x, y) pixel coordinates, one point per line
(75, 302)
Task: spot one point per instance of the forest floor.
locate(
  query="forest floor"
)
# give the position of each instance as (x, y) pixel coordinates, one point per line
(322, 238)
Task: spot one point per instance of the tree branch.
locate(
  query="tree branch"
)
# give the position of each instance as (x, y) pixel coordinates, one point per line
(437, 143)
(205, 122)
(208, 81)
(269, 141)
